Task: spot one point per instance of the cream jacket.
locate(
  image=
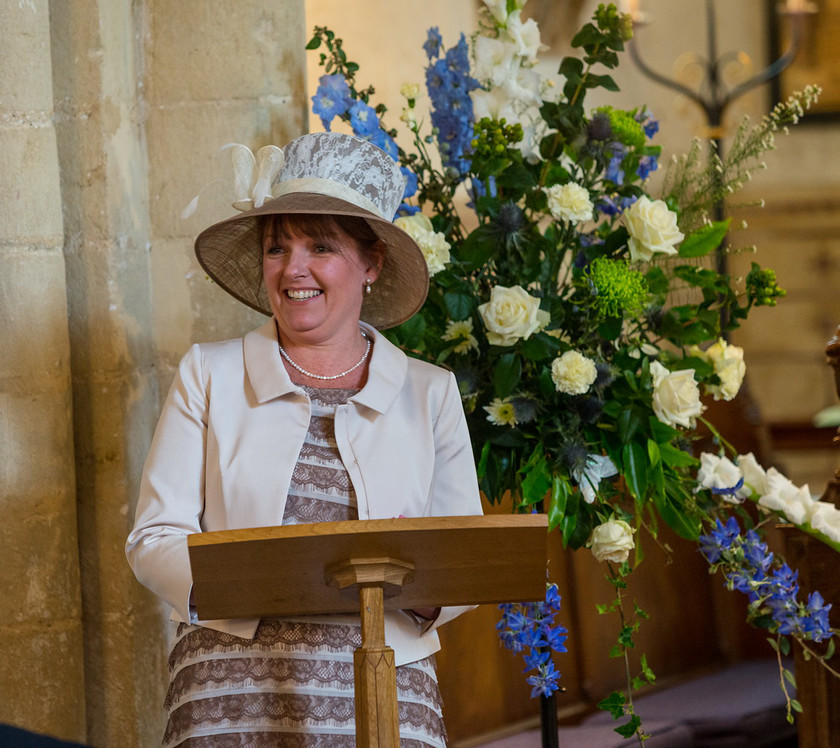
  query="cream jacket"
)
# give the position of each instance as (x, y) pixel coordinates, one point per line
(231, 431)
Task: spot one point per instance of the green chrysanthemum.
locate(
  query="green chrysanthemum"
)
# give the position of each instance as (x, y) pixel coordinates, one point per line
(618, 288)
(625, 128)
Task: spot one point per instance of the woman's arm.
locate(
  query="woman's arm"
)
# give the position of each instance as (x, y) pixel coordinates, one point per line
(172, 489)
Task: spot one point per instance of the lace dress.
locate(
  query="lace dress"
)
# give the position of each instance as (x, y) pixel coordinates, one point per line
(292, 685)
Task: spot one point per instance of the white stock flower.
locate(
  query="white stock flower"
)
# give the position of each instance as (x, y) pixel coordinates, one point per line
(612, 541)
(588, 479)
(573, 373)
(494, 60)
(569, 202)
(730, 368)
(676, 396)
(462, 331)
(501, 412)
(434, 246)
(494, 103)
(722, 476)
(526, 36)
(511, 314)
(782, 495)
(652, 228)
(754, 475)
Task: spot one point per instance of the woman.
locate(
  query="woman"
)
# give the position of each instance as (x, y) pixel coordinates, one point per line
(314, 416)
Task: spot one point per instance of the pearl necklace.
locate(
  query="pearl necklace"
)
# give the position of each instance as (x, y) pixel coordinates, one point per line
(334, 376)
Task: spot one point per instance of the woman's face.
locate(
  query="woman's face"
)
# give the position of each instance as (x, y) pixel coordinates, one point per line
(314, 285)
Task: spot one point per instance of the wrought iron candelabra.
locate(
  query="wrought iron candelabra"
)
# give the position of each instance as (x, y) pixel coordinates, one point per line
(713, 96)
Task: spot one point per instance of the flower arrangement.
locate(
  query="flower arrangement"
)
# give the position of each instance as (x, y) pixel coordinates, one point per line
(554, 275)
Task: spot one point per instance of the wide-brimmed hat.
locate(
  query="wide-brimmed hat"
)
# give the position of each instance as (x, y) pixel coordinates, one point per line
(323, 173)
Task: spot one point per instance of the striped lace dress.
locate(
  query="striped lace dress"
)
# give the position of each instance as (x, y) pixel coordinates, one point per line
(292, 685)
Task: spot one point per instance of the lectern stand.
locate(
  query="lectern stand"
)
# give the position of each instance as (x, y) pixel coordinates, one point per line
(369, 566)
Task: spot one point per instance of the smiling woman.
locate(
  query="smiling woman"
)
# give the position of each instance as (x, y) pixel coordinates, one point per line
(314, 271)
(315, 416)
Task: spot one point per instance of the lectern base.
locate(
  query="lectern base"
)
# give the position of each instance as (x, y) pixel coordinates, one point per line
(377, 718)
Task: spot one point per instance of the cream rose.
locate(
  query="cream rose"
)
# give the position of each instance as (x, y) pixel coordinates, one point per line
(573, 373)
(612, 541)
(434, 246)
(569, 202)
(653, 229)
(676, 397)
(511, 314)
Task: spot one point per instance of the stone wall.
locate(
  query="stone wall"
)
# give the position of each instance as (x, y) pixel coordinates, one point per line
(111, 115)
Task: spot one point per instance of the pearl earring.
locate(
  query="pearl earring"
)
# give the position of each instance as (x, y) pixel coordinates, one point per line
(368, 282)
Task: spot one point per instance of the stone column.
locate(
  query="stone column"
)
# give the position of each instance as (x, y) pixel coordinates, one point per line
(146, 93)
(41, 655)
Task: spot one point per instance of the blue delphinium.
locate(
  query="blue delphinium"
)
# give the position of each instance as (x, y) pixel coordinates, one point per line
(772, 588)
(332, 98)
(532, 626)
(449, 83)
(363, 119)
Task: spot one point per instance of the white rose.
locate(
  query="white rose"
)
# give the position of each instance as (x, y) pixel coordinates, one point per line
(569, 202)
(511, 314)
(612, 541)
(573, 373)
(434, 246)
(730, 368)
(825, 518)
(676, 397)
(754, 475)
(782, 495)
(653, 229)
(721, 476)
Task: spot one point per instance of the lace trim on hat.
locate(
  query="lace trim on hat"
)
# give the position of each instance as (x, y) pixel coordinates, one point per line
(329, 188)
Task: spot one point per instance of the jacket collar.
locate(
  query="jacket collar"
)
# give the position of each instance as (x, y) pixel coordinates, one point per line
(269, 378)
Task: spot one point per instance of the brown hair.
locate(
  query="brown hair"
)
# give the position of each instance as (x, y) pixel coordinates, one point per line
(320, 227)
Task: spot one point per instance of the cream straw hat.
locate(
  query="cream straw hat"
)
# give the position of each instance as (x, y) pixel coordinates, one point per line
(319, 173)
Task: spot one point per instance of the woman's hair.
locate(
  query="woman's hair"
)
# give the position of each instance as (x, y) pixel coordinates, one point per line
(320, 227)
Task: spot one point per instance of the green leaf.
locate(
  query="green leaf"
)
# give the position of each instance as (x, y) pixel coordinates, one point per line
(537, 479)
(458, 305)
(675, 516)
(628, 730)
(506, 374)
(704, 240)
(634, 459)
(675, 457)
(314, 42)
(628, 424)
(560, 490)
(614, 704)
(540, 347)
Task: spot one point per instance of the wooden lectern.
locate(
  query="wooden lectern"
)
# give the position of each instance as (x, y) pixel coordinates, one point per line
(369, 565)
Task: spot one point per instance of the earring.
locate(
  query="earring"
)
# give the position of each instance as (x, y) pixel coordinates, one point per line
(368, 282)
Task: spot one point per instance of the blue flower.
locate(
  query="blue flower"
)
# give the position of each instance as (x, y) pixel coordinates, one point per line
(410, 182)
(545, 682)
(332, 98)
(647, 164)
(449, 83)
(649, 124)
(363, 119)
(433, 43)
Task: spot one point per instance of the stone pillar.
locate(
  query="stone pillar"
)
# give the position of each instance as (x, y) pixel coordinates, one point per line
(146, 93)
(41, 661)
